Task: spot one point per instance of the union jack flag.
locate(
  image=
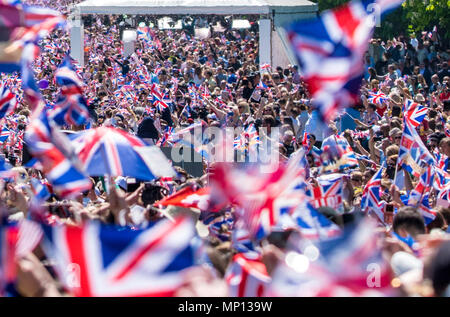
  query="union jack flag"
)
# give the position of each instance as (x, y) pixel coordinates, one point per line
(52, 150)
(8, 239)
(330, 50)
(265, 66)
(328, 192)
(166, 137)
(415, 113)
(247, 276)
(312, 224)
(265, 198)
(4, 134)
(110, 151)
(371, 197)
(420, 194)
(7, 101)
(100, 260)
(341, 269)
(248, 139)
(377, 98)
(413, 151)
(158, 99)
(262, 86)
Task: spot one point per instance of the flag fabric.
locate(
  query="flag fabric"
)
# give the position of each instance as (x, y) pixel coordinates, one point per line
(377, 98)
(330, 49)
(7, 101)
(50, 146)
(188, 197)
(8, 242)
(158, 100)
(247, 276)
(4, 134)
(10, 20)
(415, 113)
(312, 224)
(166, 137)
(40, 190)
(346, 153)
(113, 152)
(328, 192)
(100, 260)
(344, 268)
(371, 201)
(412, 151)
(264, 198)
(419, 196)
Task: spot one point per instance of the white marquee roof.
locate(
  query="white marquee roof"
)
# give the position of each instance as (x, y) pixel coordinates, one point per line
(222, 7)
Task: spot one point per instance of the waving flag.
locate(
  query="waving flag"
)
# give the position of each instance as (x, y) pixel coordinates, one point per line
(330, 49)
(158, 99)
(4, 135)
(412, 150)
(419, 196)
(166, 137)
(101, 260)
(113, 152)
(312, 224)
(8, 240)
(7, 101)
(247, 276)
(371, 197)
(44, 143)
(328, 192)
(350, 265)
(415, 113)
(71, 106)
(265, 198)
(188, 198)
(377, 98)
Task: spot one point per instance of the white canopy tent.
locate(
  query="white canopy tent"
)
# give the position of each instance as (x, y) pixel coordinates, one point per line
(273, 15)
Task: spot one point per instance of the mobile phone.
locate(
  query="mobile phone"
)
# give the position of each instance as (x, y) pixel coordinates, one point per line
(388, 213)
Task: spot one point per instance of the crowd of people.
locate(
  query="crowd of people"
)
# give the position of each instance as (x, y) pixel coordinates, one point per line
(218, 81)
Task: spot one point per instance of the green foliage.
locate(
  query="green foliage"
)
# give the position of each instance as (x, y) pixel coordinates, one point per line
(329, 4)
(424, 15)
(414, 16)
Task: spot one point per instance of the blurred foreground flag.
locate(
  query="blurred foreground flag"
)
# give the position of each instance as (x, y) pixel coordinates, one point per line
(330, 48)
(20, 24)
(101, 260)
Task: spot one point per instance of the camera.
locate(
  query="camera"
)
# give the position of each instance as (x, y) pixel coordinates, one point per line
(153, 193)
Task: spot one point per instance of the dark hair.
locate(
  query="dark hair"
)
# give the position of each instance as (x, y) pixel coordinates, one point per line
(409, 219)
(438, 222)
(439, 270)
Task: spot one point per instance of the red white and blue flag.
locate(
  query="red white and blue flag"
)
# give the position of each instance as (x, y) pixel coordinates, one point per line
(247, 276)
(330, 49)
(412, 150)
(312, 224)
(343, 267)
(7, 101)
(158, 99)
(50, 148)
(419, 196)
(101, 260)
(113, 152)
(4, 134)
(371, 198)
(328, 192)
(377, 98)
(415, 113)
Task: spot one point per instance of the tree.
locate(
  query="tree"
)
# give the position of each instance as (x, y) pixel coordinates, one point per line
(414, 16)
(423, 15)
